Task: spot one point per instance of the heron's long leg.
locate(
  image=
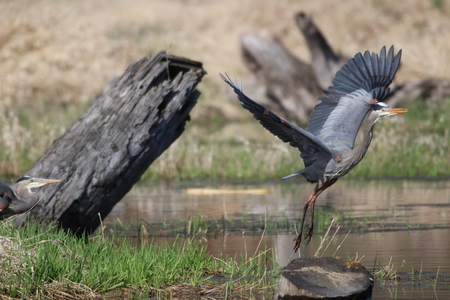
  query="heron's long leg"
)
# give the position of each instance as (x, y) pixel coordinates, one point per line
(298, 238)
(323, 187)
(309, 230)
(312, 199)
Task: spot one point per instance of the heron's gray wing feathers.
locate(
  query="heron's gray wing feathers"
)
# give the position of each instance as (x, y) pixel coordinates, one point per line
(341, 126)
(336, 120)
(307, 143)
(368, 72)
(322, 111)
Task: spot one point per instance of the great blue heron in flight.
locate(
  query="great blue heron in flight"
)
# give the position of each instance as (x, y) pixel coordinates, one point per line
(327, 144)
(19, 198)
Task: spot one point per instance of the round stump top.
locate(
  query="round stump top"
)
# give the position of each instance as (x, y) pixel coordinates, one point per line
(324, 277)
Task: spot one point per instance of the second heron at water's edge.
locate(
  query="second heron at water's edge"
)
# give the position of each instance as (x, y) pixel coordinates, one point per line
(19, 198)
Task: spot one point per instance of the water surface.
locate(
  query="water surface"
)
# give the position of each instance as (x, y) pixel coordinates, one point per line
(404, 224)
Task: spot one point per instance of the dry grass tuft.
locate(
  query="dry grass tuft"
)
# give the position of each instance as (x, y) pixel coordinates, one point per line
(67, 290)
(12, 250)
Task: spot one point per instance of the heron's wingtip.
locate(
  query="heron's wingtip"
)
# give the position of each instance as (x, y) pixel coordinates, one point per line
(292, 175)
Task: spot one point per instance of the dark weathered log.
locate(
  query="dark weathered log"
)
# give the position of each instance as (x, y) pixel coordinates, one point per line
(325, 62)
(290, 86)
(324, 278)
(107, 149)
(283, 79)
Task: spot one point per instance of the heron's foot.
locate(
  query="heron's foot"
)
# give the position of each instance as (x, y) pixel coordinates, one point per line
(298, 241)
(309, 233)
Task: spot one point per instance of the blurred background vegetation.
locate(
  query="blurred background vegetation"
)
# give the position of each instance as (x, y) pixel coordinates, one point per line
(56, 56)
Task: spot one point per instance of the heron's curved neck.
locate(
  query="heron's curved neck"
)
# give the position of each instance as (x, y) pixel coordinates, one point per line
(24, 194)
(361, 149)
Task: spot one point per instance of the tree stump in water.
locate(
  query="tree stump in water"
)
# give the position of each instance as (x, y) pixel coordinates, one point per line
(107, 149)
(325, 278)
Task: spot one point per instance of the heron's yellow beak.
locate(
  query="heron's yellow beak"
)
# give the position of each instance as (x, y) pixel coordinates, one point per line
(49, 181)
(397, 110)
(38, 182)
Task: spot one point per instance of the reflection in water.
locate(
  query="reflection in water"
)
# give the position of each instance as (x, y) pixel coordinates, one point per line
(403, 221)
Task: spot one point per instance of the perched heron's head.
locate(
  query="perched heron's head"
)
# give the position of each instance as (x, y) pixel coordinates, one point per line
(19, 198)
(383, 110)
(33, 182)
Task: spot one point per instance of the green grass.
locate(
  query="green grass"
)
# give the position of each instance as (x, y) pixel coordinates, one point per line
(418, 273)
(412, 145)
(193, 157)
(216, 146)
(29, 131)
(387, 272)
(197, 225)
(39, 262)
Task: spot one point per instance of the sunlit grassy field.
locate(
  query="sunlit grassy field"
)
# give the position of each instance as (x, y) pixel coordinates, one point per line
(55, 56)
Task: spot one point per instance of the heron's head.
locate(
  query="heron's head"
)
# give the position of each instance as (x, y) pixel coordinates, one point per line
(384, 110)
(20, 199)
(29, 182)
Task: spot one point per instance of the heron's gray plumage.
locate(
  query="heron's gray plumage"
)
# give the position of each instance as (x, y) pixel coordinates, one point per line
(19, 198)
(327, 144)
(367, 72)
(336, 120)
(332, 129)
(289, 133)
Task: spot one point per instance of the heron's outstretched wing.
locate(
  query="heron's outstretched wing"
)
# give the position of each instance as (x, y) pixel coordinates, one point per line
(336, 120)
(307, 143)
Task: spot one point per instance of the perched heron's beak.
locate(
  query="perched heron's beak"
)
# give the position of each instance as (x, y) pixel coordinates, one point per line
(394, 111)
(45, 181)
(38, 182)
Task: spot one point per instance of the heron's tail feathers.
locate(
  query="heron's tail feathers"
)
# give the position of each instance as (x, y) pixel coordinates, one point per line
(292, 175)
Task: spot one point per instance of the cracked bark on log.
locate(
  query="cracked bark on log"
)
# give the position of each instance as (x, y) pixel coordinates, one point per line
(107, 149)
